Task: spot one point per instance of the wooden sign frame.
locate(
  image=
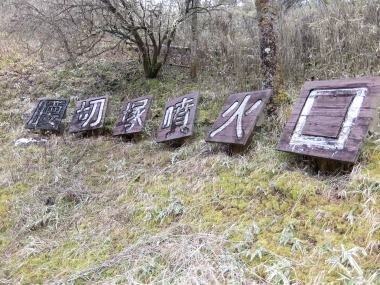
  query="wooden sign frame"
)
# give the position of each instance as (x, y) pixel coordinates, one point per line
(240, 114)
(47, 114)
(331, 118)
(178, 119)
(133, 116)
(87, 118)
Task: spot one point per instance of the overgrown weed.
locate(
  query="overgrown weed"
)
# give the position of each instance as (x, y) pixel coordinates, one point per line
(100, 210)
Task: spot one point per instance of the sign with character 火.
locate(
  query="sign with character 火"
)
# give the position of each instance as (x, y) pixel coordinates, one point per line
(239, 115)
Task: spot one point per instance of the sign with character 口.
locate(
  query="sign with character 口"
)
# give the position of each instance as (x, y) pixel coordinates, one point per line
(89, 114)
(331, 118)
(133, 116)
(178, 119)
(47, 114)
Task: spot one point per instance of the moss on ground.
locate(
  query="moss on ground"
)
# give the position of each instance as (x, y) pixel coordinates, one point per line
(84, 210)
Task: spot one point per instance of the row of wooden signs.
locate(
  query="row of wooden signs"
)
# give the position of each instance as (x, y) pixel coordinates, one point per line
(234, 125)
(330, 118)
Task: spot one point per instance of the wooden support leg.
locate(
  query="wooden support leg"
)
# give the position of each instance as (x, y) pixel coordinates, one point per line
(261, 119)
(176, 143)
(239, 148)
(328, 165)
(374, 122)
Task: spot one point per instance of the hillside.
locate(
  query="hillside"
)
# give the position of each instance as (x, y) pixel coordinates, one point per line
(77, 209)
(103, 210)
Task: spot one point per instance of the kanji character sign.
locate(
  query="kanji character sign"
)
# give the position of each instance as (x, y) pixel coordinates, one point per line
(133, 115)
(47, 114)
(178, 119)
(238, 117)
(331, 118)
(89, 114)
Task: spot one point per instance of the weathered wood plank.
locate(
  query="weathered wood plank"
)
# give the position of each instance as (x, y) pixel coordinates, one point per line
(334, 101)
(133, 115)
(178, 119)
(47, 114)
(89, 114)
(322, 126)
(335, 127)
(239, 115)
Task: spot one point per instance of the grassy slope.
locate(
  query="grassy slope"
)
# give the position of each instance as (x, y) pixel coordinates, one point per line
(141, 212)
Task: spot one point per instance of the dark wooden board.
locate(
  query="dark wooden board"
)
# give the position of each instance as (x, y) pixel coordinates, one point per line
(133, 115)
(321, 135)
(322, 127)
(178, 119)
(89, 114)
(238, 117)
(47, 114)
(327, 115)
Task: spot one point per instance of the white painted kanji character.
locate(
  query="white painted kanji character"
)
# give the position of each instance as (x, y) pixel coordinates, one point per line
(238, 115)
(46, 113)
(87, 113)
(180, 118)
(133, 113)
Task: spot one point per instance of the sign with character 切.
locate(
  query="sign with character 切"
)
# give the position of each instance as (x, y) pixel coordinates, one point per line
(238, 117)
(89, 114)
(133, 115)
(331, 118)
(47, 114)
(178, 119)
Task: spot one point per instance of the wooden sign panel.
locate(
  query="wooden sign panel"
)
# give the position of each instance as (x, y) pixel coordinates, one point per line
(331, 118)
(47, 114)
(179, 117)
(89, 114)
(238, 117)
(133, 115)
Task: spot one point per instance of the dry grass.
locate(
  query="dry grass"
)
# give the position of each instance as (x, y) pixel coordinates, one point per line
(99, 210)
(316, 41)
(176, 255)
(333, 41)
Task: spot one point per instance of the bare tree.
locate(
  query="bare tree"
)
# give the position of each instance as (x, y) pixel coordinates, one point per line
(80, 25)
(71, 24)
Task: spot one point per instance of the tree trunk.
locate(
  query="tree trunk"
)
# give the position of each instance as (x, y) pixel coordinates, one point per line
(194, 42)
(266, 13)
(151, 65)
(151, 69)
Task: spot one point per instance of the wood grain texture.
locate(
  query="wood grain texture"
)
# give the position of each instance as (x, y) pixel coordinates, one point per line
(47, 114)
(178, 119)
(133, 116)
(323, 123)
(238, 117)
(322, 127)
(327, 115)
(89, 114)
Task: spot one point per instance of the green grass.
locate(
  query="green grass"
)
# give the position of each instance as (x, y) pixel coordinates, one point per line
(132, 213)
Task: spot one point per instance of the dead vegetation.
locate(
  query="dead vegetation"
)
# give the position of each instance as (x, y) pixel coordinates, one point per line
(100, 210)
